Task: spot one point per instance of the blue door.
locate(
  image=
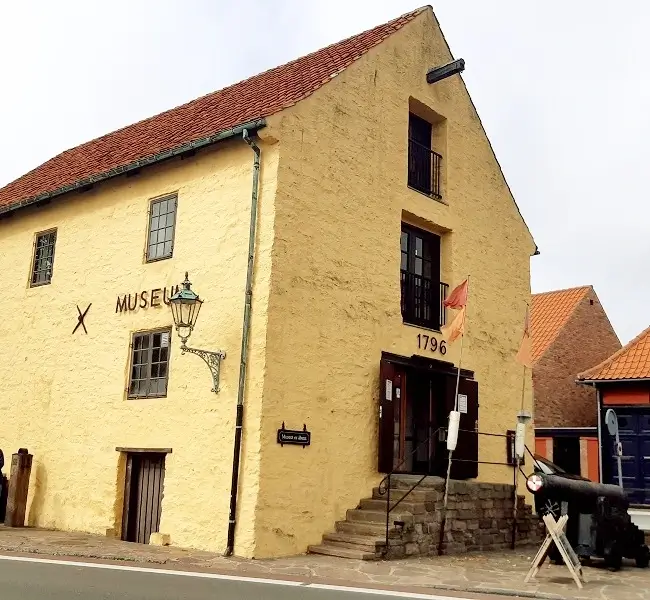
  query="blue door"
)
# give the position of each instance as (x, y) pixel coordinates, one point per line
(634, 433)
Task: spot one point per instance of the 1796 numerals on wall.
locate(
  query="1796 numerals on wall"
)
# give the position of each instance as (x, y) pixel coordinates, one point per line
(428, 342)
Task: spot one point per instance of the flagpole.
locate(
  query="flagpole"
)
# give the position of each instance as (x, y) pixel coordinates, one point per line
(451, 452)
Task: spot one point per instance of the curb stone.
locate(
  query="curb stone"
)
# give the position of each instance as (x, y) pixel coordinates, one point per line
(507, 592)
(72, 553)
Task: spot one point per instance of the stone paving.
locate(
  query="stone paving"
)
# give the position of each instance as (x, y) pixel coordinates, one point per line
(494, 572)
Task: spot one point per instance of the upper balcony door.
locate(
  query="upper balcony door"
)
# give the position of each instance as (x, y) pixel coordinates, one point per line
(424, 165)
(421, 289)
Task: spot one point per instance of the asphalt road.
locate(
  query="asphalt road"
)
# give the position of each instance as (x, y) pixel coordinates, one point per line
(33, 579)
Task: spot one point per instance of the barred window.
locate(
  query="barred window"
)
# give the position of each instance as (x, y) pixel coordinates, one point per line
(43, 264)
(149, 364)
(162, 225)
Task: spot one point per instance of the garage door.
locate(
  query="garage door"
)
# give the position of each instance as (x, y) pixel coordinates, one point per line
(634, 432)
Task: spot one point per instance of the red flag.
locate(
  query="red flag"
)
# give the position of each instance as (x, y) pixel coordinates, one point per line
(458, 297)
(456, 328)
(525, 354)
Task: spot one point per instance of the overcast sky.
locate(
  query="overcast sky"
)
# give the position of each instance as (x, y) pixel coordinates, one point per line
(563, 89)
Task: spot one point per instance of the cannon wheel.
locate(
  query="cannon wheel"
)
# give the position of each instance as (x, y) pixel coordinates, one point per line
(554, 555)
(613, 557)
(642, 557)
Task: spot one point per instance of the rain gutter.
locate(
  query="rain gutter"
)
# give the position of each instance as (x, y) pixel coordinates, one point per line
(79, 185)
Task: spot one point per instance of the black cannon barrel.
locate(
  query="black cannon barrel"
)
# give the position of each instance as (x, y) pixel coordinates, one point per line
(577, 489)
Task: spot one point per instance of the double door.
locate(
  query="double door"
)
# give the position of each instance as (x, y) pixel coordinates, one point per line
(634, 433)
(414, 410)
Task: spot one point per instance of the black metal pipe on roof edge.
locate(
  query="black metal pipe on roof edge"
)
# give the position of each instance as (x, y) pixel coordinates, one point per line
(251, 126)
(595, 382)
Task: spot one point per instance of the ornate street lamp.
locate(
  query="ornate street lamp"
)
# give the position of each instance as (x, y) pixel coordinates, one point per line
(185, 306)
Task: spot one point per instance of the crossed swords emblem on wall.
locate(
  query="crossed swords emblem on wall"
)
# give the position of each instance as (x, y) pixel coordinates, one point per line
(80, 319)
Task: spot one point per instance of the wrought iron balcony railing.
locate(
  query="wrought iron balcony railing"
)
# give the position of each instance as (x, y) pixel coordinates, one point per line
(422, 301)
(424, 170)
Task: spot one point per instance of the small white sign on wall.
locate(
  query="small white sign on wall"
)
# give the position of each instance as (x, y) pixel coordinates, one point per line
(389, 390)
(462, 404)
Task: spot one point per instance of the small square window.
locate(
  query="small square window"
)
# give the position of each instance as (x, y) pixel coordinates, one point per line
(149, 364)
(43, 261)
(162, 226)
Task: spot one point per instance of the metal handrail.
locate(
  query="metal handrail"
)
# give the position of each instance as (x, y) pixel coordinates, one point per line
(384, 484)
(410, 454)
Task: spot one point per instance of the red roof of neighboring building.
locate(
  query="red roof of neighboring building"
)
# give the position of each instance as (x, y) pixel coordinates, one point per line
(630, 362)
(260, 96)
(549, 313)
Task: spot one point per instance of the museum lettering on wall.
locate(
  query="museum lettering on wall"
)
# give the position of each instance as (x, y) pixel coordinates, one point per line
(145, 299)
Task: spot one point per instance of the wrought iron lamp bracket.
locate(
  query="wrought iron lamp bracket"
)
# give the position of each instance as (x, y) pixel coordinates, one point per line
(212, 359)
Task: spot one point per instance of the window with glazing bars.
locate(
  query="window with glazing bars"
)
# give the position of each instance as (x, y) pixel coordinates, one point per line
(149, 364)
(420, 278)
(162, 225)
(43, 258)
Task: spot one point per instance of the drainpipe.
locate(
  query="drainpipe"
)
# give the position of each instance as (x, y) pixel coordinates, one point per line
(239, 421)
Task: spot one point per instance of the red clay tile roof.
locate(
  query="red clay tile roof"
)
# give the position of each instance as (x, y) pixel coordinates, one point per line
(260, 96)
(630, 362)
(549, 313)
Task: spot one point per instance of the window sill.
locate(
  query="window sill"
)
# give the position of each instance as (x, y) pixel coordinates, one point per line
(436, 198)
(37, 285)
(152, 397)
(418, 326)
(154, 260)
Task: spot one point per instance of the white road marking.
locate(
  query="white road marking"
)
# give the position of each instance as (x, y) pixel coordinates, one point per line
(318, 586)
(394, 593)
(72, 563)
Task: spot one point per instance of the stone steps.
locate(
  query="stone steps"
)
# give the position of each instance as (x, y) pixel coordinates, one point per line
(373, 530)
(376, 516)
(357, 542)
(417, 495)
(333, 550)
(400, 482)
(479, 518)
(415, 508)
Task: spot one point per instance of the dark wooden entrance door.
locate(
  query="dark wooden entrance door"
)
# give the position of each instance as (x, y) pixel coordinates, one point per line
(390, 389)
(465, 458)
(145, 476)
(414, 404)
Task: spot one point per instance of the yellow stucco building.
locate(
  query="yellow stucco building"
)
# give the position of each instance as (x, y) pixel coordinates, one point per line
(377, 193)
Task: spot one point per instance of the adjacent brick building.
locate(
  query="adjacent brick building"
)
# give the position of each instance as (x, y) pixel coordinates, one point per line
(571, 331)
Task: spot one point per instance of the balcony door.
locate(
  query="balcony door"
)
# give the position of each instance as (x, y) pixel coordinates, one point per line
(420, 278)
(424, 165)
